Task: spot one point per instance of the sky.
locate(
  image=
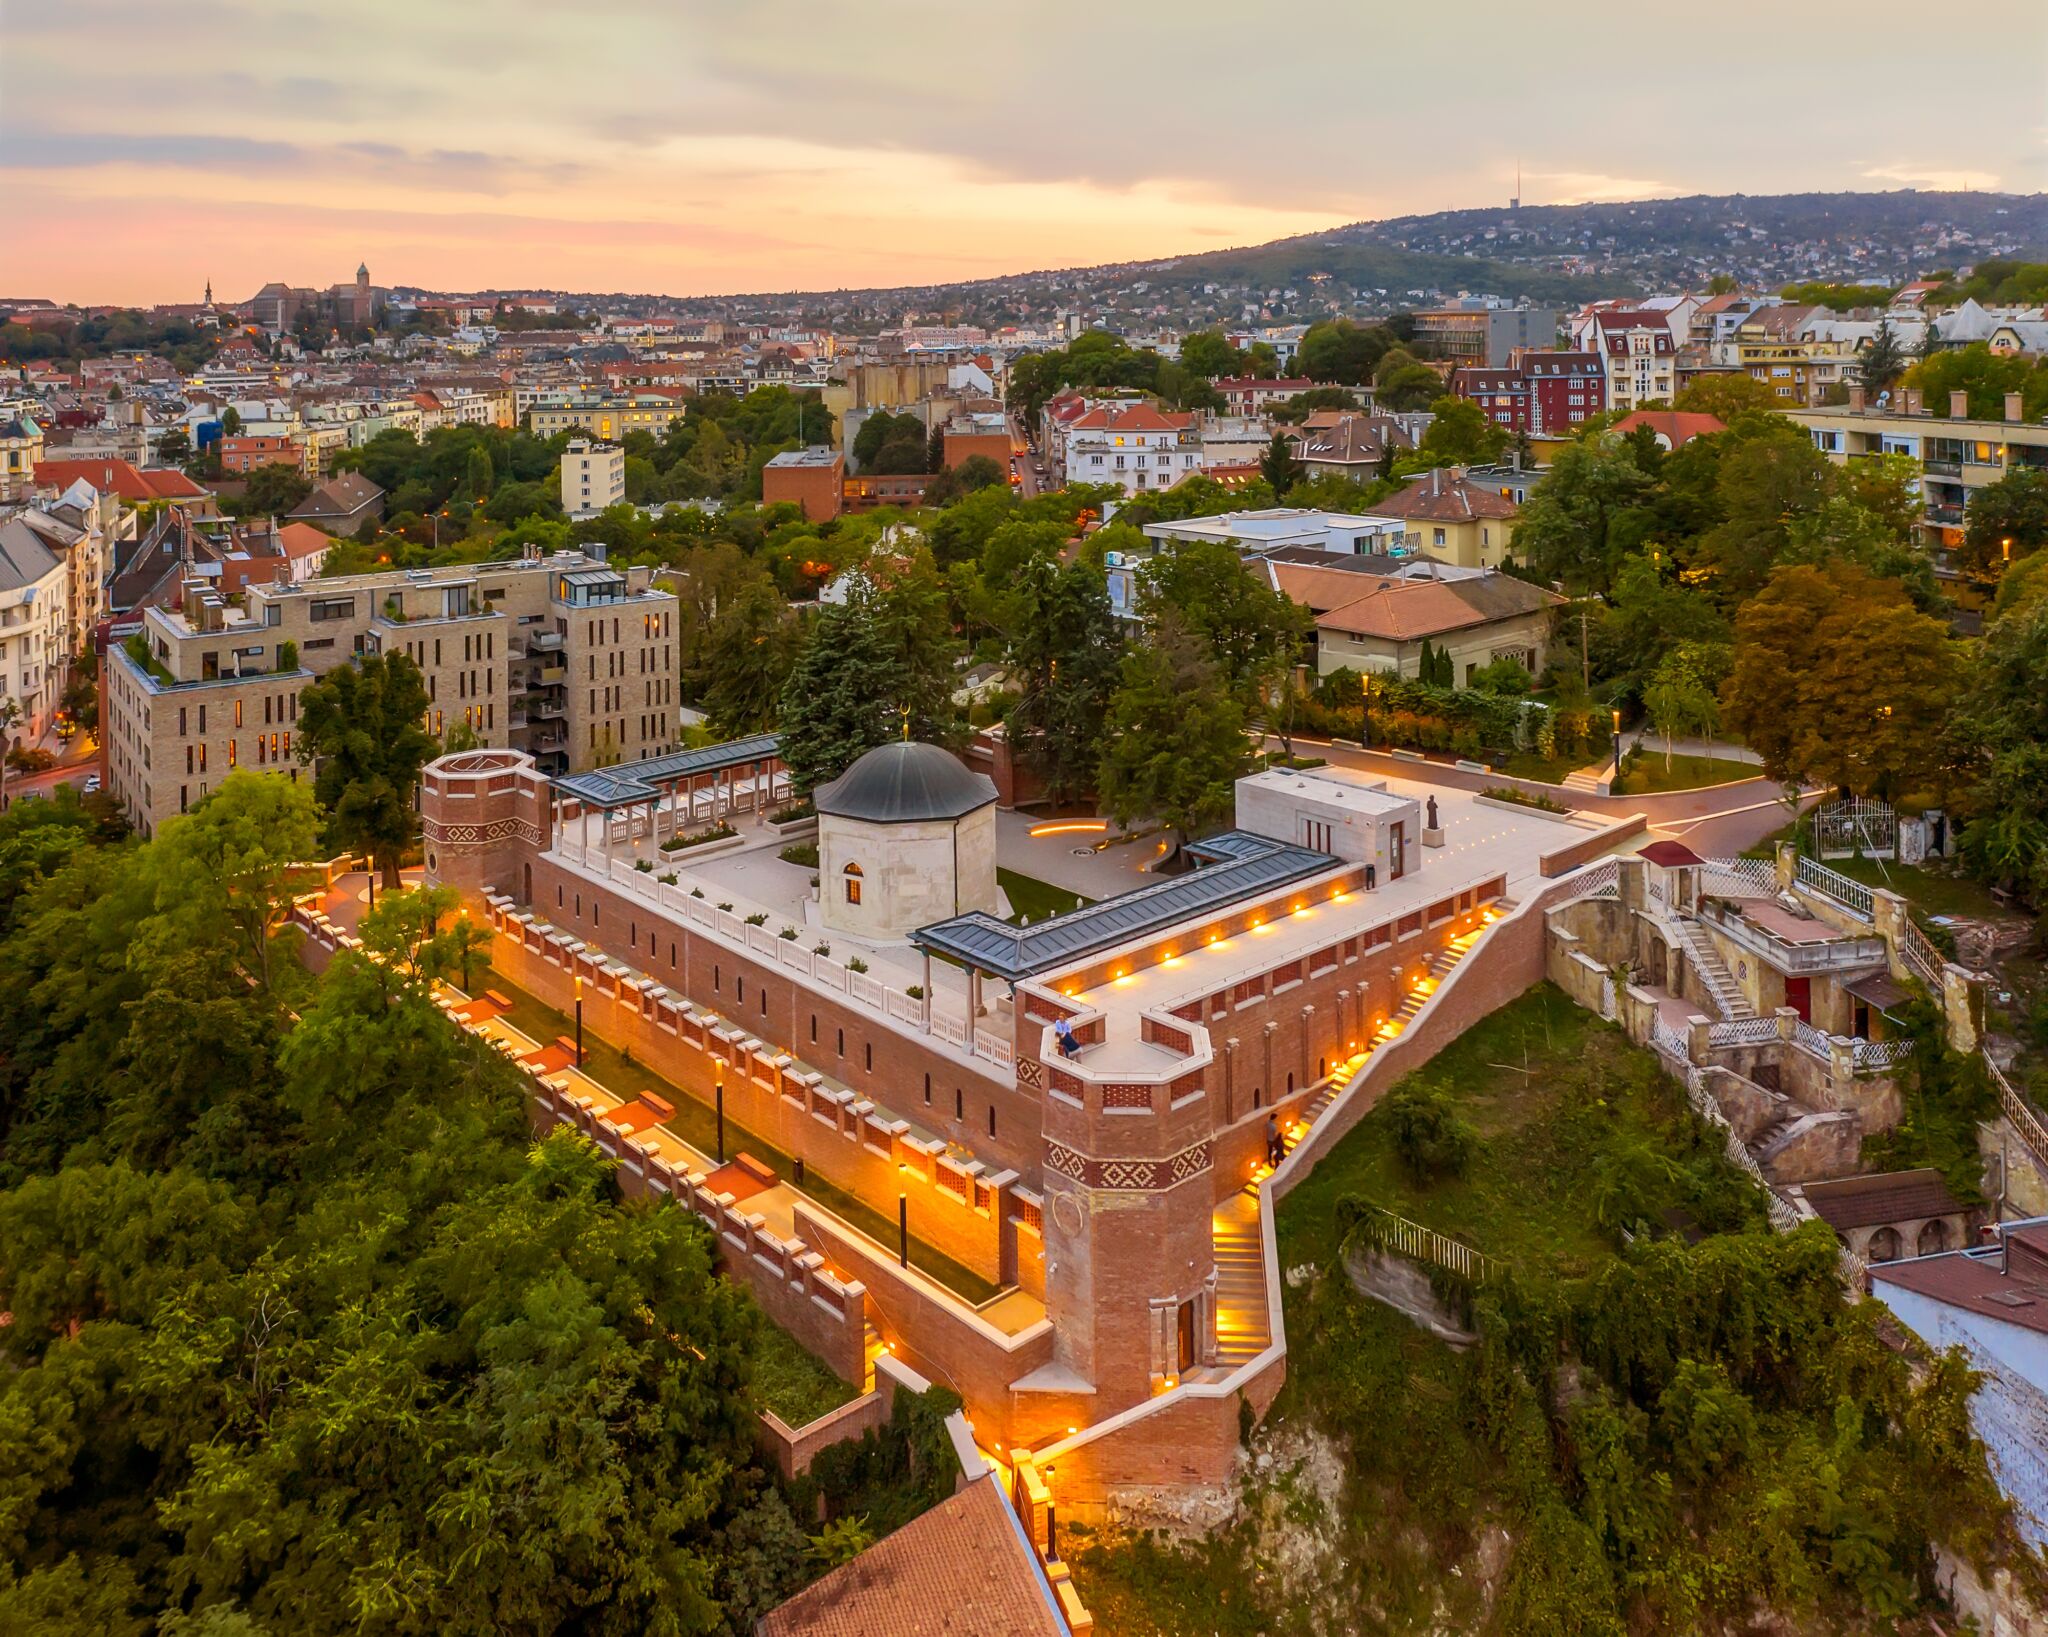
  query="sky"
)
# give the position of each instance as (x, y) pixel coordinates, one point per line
(713, 146)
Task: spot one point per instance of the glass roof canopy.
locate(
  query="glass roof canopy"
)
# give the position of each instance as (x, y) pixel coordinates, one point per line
(1235, 865)
(631, 782)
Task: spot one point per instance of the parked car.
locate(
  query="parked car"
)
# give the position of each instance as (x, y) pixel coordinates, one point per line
(92, 784)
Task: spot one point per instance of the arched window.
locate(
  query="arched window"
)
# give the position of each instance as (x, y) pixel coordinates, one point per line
(852, 874)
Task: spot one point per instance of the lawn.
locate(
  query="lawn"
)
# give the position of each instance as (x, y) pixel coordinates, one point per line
(791, 1383)
(1931, 892)
(1526, 764)
(1034, 900)
(697, 1125)
(1649, 775)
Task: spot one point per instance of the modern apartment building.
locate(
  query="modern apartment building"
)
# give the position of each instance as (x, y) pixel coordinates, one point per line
(593, 477)
(1640, 358)
(1484, 337)
(564, 657)
(1957, 455)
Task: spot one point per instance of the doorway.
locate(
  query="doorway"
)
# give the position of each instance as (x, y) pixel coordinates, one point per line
(1186, 1350)
(1397, 849)
(1799, 996)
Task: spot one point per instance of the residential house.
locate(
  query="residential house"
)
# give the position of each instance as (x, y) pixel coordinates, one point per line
(35, 621)
(1454, 518)
(1639, 355)
(1672, 428)
(341, 505)
(1138, 447)
(813, 478)
(1248, 395)
(1540, 394)
(135, 485)
(244, 454)
(593, 477)
(1476, 618)
(1349, 444)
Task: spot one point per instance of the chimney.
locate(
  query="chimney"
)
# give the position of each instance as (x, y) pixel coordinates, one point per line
(1959, 406)
(2013, 412)
(1857, 398)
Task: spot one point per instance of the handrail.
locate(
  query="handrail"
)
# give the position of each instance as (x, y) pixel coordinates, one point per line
(2025, 1118)
(1853, 896)
(1424, 1244)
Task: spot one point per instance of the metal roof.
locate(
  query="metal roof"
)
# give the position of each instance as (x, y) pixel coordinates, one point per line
(903, 783)
(631, 782)
(1237, 865)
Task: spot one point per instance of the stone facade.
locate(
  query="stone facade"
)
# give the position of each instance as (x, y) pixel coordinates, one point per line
(886, 880)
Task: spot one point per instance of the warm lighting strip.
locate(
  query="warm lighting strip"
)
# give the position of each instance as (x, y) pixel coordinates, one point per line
(1074, 827)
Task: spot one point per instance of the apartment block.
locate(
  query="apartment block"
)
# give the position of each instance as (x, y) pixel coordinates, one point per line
(563, 657)
(1957, 455)
(593, 477)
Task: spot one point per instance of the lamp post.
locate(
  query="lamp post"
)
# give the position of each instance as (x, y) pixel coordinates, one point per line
(903, 1230)
(1052, 1547)
(579, 1023)
(1617, 742)
(718, 1069)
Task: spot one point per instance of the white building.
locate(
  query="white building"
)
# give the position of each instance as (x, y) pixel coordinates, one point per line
(1331, 811)
(1255, 533)
(35, 617)
(593, 477)
(906, 836)
(1136, 446)
(1640, 357)
(1993, 1303)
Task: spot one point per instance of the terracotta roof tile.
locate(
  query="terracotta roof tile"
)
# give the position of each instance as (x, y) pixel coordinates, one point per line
(1447, 496)
(963, 1569)
(1886, 1196)
(1409, 610)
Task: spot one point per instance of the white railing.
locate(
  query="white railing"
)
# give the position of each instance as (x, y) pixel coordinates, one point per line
(1838, 954)
(1413, 1240)
(994, 1047)
(1783, 1217)
(1808, 1038)
(1921, 955)
(1668, 1040)
(1600, 880)
(1853, 896)
(1743, 1031)
(1739, 878)
(1874, 1055)
(2025, 1118)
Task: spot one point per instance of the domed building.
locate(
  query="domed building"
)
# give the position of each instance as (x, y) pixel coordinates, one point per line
(906, 836)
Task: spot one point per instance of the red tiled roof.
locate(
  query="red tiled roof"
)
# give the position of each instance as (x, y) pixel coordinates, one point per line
(1409, 610)
(962, 1569)
(1130, 418)
(134, 485)
(1444, 496)
(2018, 1294)
(1675, 426)
(1254, 383)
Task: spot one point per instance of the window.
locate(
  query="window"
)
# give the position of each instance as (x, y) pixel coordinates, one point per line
(853, 879)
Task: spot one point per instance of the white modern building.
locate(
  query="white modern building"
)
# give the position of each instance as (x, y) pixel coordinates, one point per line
(1255, 533)
(593, 477)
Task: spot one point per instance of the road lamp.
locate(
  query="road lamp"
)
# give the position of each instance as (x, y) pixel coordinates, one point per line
(1617, 742)
(579, 1023)
(718, 1068)
(903, 1230)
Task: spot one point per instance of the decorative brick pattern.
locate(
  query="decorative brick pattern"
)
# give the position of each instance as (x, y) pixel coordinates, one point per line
(1121, 1095)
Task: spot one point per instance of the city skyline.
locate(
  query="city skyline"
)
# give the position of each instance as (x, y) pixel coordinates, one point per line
(695, 153)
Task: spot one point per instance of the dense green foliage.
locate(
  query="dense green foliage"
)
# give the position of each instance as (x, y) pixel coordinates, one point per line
(1691, 1431)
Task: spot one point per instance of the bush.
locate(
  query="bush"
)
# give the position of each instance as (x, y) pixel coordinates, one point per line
(1430, 1137)
(667, 880)
(287, 655)
(758, 918)
(821, 949)
(30, 759)
(1524, 798)
(856, 964)
(800, 852)
(794, 811)
(697, 838)
(644, 866)
(915, 991)
(788, 932)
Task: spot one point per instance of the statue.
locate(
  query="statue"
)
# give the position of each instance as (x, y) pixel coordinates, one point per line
(1432, 814)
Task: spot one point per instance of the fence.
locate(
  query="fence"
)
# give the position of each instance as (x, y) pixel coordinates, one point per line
(1738, 878)
(1853, 896)
(1783, 1217)
(2025, 1118)
(1413, 1240)
(1600, 880)
(1874, 1056)
(1842, 829)
(1743, 1031)
(1921, 955)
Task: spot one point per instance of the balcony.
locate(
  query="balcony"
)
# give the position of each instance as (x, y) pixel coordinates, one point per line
(1825, 951)
(536, 643)
(1942, 468)
(1950, 517)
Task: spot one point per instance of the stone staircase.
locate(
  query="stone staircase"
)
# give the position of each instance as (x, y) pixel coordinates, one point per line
(1243, 1329)
(1585, 780)
(1713, 971)
(869, 1348)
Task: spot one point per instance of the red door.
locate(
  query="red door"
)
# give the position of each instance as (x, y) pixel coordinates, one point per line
(1799, 996)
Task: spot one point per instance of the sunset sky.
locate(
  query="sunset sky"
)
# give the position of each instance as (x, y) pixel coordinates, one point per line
(690, 147)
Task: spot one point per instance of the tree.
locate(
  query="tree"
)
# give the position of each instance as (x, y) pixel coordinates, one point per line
(361, 725)
(1064, 653)
(230, 421)
(2007, 520)
(1402, 381)
(954, 483)
(1725, 395)
(1998, 737)
(1839, 679)
(1983, 376)
(1884, 360)
(878, 667)
(1589, 511)
(1342, 351)
(1278, 466)
(1680, 704)
(274, 489)
(1253, 632)
(1206, 354)
(1462, 434)
(1769, 474)
(1175, 743)
(479, 479)
(748, 654)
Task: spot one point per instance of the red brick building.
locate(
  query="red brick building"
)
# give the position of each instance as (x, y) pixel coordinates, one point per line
(1541, 394)
(812, 478)
(245, 454)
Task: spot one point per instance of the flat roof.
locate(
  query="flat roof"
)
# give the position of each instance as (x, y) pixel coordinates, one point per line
(817, 454)
(1373, 798)
(631, 782)
(1235, 865)
(1275, 523)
